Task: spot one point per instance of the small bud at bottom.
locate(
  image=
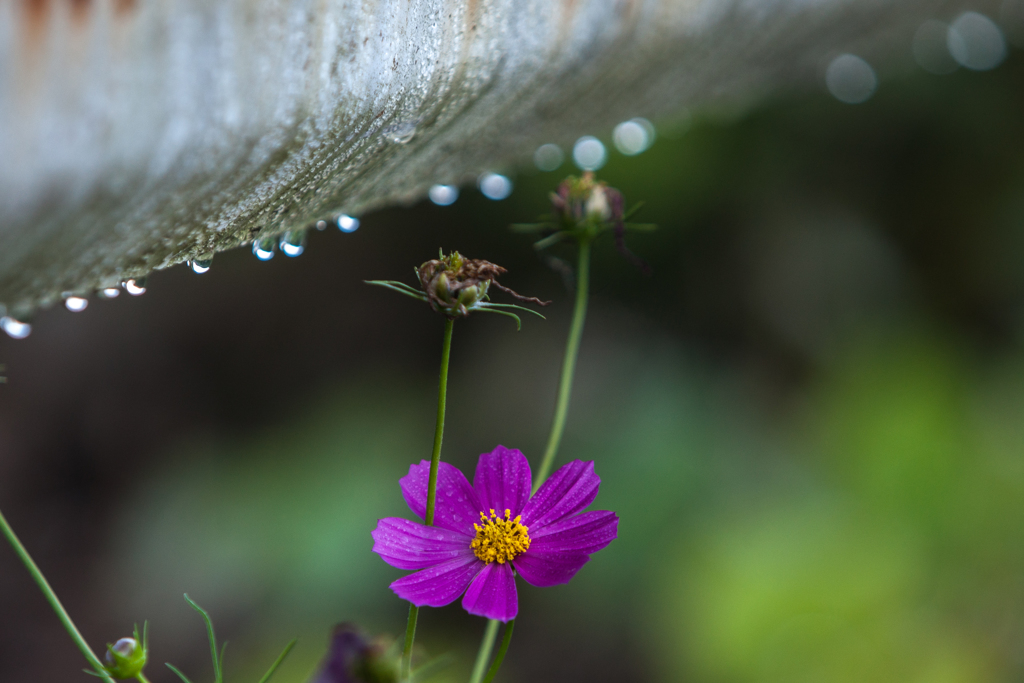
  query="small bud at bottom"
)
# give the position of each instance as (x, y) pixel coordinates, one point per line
(126, 658)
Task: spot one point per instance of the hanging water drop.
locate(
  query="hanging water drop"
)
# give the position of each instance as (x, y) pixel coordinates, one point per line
(202, 264)
(109, 293)
(15, 329)
(443, 195)
(136, 287)
(293, 242)
(75, 304)
(401, 133)
(347, 223)
(495, 186)
(263, 248)
(321, 225)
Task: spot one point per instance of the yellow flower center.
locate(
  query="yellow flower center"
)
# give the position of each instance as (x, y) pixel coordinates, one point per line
(500, 539)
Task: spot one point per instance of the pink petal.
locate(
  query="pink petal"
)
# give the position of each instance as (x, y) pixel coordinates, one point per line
(406, 544)
(502, 481)
(439, 585)
(457, 506)
(584, 533)
(569, 490)
(493, 593)
(544, 568)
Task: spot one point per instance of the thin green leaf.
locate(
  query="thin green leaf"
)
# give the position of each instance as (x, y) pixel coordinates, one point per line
(636, 207)
(519, 323)
(408, 291)
(491, 304)
(222, 649)
(93, 673)
(180, 675)
(550, 240)
(394, 283)
(277, 662)
(430, 668)
(218, 678)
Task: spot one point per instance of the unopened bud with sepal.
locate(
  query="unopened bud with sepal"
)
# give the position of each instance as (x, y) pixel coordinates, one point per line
(128, 656)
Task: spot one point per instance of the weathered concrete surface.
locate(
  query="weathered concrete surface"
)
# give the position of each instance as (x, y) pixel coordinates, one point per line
(135, 134)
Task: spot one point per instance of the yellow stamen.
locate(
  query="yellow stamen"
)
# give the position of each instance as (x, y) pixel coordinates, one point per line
(500, 539)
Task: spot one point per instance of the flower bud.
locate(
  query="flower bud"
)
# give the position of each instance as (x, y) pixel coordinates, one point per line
(353, 658)
(474, 293)
(126, 658)
(454, 284)
(597, 204)
(586, 201)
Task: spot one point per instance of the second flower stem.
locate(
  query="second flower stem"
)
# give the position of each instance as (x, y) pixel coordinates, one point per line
(435, 461)
(52, 598)
(572, 349)
(484, 654)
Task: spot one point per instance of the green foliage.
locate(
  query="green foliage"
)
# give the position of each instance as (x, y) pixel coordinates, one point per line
(218, 657)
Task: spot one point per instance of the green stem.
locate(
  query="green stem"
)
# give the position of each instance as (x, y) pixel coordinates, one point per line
(486, 645)
(435, 462)
(500, 657)
(442, 390)
(572, 348)
(410, 638)
(51, 597)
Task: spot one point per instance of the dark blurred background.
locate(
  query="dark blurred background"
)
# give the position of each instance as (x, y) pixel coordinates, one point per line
(810, 419)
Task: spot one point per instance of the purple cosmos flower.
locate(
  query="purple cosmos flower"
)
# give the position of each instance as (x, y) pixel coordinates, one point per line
(485, 531)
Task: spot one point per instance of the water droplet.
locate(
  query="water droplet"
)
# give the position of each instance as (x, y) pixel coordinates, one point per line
(548, 157)
(401, 133)
(264, 248)
(109, 292)
(495, 186)
(135, 287)
(321, 225)
(589, 153)
(75, 304)
(634, 136)
(443, 195)
(293, 242)
(202, 263)
(976, 42)
(15, 328)
(347, 223)
(457, 518)
(850, 79)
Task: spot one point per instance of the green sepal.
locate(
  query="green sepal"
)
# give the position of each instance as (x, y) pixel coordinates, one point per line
(399, 287)
(519, 323)
(182, 676)
(277, 662)
(217, 674)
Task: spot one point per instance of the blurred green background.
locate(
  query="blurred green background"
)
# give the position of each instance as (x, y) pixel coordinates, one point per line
(810, 419)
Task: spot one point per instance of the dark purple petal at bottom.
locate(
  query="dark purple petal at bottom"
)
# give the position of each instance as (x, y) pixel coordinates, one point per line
(406, 544)
(493, 593)
(549, 568)
(585, 533)
(348, 647)
(439, 585)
